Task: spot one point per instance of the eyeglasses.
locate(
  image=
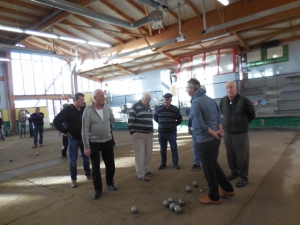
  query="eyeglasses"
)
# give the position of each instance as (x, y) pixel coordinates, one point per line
(188, 87)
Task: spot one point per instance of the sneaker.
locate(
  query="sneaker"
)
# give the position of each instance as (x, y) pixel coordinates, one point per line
(35, 146)
(231, 177)
(144, 178)
(89, 177)
(195, 167)
(41, 145)
(242, 183)
(64, 158)
(177, 167)
(74, 184)
(207, 201)
(224, 194)
(149, 174)
(161, 166)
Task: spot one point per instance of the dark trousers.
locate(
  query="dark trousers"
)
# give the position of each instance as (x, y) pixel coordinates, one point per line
(65, 143)
(30, 130)
(107, 151)
(237, 150)
(164, 138)
(214, 174)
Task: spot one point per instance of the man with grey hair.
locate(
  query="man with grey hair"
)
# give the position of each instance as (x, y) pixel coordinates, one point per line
(238, 112)
(71, 116)
(140, 125)
(207, 128)
(96, 124)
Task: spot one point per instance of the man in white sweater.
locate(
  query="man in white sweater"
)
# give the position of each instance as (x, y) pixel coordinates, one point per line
(96, 121)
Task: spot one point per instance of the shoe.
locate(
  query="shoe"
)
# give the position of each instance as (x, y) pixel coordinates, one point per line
(97, 194)
(176, 167)
(207, 201)
(231, 177)
(35, 146)
(64, 158)
(149, 174)
(161, 166)
(224, 194)
(242, 183)
(41, 145)
(74, 184)
(144, 178)
(195, 167)
(89, 177)
(112, 187)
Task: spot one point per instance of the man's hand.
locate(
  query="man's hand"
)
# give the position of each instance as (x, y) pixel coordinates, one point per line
(87, 152)
(190, 131)
(68, 135)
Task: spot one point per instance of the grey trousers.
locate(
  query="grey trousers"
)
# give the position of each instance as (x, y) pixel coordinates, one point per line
(143, 147)
(237, 150)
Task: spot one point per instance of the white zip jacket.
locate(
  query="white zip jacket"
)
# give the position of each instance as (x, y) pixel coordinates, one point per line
(94, 129)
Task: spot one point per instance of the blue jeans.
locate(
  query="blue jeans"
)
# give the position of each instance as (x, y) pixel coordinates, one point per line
(23, 130)
(196, 148)
(164, 138)
(214, 174)
(74, 144)
(36, 130)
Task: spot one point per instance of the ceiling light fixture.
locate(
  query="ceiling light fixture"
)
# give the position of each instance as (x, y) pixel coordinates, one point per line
(13, 29)
(42, 34)
(5, 59)
(216, 37)
(50, 35)
(77, 40)
(224, 2)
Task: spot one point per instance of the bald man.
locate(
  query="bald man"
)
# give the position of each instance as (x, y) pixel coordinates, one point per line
(237, 112)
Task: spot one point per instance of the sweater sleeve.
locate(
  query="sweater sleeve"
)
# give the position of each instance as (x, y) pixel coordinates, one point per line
(86, 120)
(59, 120)
(249, 109)
(179, 117)
(131, 120)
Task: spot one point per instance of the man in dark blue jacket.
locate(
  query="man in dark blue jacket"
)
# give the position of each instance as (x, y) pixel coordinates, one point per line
(69, 122)
(168, 118)
(37, 119)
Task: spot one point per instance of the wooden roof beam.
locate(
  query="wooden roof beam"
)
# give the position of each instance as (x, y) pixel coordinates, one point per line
(194, 8)
(241, 40)
(123, 68)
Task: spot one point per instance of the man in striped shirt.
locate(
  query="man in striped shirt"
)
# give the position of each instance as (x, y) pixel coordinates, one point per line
(140, 126)
(168, 118)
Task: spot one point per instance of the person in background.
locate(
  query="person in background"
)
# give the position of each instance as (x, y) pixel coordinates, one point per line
(96, 133)
(29, 123)
(168, 118)
(197, 161)
(238, 112)
(71, 116)
(140, 126)
(22, 122)
(207, 128)
(1, 134)
(65, 142)
(38, 127)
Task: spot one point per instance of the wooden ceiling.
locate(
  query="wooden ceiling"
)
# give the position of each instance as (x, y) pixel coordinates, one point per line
(141, 49)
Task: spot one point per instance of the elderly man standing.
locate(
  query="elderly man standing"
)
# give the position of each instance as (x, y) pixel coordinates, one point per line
(96, 124)
(238, 112)
(69, 122)
(207, 128)
(168, 118)
(140, 125)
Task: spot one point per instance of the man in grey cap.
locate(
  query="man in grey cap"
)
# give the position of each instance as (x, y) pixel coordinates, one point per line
(168, 118)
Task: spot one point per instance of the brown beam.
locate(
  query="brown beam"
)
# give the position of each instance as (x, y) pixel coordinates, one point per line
(123, 68)
(246, 46)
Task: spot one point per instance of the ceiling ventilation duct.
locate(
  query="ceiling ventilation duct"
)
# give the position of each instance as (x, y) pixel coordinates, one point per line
(154, 16)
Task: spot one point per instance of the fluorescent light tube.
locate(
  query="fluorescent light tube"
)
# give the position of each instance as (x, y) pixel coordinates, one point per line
(214, 38)
(99, 44)
(13, 29)
(224, 2)
(5, 59)
(77, 40)
(42, 34)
